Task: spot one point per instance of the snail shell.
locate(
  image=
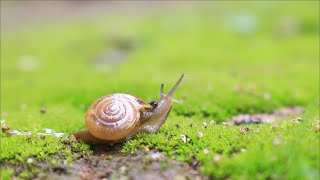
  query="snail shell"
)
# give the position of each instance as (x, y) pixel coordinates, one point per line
(114, 116)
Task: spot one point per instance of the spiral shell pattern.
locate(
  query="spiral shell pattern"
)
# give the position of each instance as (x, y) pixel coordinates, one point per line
(114, 116)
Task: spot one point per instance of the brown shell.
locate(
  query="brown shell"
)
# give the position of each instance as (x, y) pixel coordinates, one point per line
(114, 116)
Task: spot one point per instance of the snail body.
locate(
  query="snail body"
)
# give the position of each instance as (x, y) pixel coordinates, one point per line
(117, 117)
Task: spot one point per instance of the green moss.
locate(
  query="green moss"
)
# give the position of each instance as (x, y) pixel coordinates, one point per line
(6, 174)
(285, 150)
(33, 146)
(228, 73)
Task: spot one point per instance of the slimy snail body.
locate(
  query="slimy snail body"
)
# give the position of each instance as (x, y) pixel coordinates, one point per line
(117, 117)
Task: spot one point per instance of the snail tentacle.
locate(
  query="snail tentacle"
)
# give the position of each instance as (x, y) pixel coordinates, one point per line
(162, 94)
(176, 85)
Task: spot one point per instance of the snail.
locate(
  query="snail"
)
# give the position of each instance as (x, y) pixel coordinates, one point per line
(116, 117)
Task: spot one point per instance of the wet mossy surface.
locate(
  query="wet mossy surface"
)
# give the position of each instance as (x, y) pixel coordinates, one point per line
(51, 73)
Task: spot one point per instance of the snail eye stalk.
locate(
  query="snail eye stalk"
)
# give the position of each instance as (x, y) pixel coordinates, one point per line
(176, 85)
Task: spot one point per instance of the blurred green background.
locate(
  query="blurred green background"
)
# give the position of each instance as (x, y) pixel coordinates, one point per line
(240, 57)
(68, 57)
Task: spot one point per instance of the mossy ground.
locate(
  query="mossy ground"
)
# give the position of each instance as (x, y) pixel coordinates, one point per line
(271, 62)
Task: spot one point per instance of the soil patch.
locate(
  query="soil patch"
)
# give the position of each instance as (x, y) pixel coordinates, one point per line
(265, 117)
(107, 162)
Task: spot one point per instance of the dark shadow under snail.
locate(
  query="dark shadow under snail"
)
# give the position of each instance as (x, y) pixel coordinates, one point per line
(116, 117)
